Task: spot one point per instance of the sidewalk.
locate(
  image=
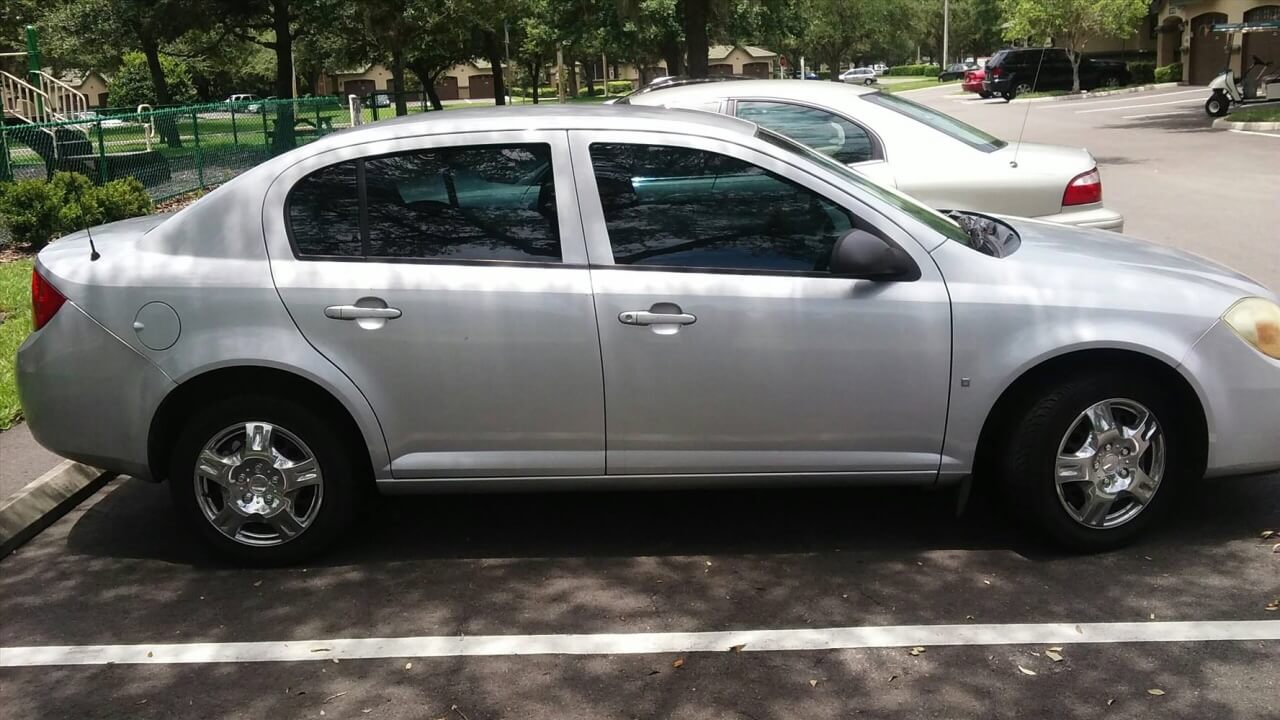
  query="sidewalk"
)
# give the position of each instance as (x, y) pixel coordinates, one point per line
(21, 460)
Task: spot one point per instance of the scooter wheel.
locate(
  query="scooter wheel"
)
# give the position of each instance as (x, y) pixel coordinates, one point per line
(1217, 105)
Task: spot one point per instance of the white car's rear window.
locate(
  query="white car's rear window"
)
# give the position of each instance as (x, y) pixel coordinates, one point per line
(944, 124)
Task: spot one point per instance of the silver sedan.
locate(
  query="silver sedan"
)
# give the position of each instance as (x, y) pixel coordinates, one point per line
(631, 297)
(929, 155)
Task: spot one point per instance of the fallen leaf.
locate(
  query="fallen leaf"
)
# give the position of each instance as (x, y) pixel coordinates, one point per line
(150, 654)
(408, 666)
(335, 661)
(335, 697)
(1110, 702)
(322, 713)
(1275, 548)
(366, 711)
(1266, 534)
(1272, 606)
(737, 648)
(320, 649)
(892, 678)
(986, 582)
(143, 701)
(708, 563)
(1153, 616)
(655, 672)
(1155, 691)
(1026, 671)
(258, 584)
(1053, 655)
(678, 663)
(813, 683)
(916, 651)
(968, 617)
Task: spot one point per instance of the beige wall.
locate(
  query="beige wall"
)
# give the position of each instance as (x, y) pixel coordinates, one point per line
(93, 87)
(463, 73)
(739, 57)
(1140, 40)
(1185, 11)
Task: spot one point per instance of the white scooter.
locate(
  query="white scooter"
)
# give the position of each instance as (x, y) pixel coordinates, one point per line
(1260, 84)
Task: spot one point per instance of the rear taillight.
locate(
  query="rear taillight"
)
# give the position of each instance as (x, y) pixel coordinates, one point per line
(1084, 189)
(995, 72)
(45, 300)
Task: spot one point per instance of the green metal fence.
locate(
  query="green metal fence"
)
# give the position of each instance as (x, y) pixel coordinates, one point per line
(171, 150)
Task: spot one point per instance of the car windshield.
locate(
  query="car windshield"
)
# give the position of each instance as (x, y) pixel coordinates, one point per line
(945, 124)
(932, 218)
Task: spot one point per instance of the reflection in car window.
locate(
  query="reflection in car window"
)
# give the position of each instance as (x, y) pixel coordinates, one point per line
(931, 218)
(945, 124)
(488, 202)
(494, 202)
(324, 212)
(680, 207)
(823, 131)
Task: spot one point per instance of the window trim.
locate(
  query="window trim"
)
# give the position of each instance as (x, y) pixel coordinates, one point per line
(879, 152)
(450, 140)
(598, 243)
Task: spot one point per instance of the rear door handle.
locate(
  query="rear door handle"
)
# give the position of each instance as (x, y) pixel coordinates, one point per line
(355, 312)
(644, 317)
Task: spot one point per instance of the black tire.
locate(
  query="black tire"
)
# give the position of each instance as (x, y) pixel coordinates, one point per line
(1027, 460)
(984, 95)
(332, 453)
(1218, 105)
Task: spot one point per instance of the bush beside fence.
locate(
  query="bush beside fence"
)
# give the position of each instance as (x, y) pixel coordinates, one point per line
(1142, 72)
(1169, 73)
(927, 69)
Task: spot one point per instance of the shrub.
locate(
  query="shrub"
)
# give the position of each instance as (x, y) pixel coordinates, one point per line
(620, 86)
(1142, 71)
(1169, 73)
(36, 211)
(131, 85)
(923, 69)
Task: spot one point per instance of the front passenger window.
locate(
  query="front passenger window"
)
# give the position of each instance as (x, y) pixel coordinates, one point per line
(828, 133)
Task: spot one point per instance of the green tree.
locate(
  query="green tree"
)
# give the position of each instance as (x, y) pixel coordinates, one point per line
(132, 84)
(839, 30)
(1071, 24)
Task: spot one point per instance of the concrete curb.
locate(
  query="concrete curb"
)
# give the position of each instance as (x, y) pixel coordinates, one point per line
(1098, 93)
(1227, 123)
(45, 499)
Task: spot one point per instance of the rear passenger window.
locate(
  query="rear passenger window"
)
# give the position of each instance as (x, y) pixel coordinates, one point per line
(324, 212)
(826, 132)
(474, 203)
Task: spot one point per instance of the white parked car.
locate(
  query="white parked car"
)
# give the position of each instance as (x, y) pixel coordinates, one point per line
(859, 76)
(94, 118)
(880, 68)
(940, 160)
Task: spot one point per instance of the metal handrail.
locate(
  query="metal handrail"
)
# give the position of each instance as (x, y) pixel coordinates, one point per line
(17, 92)
(66, 98)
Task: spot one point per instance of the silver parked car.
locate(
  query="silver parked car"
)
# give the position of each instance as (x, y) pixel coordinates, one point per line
(630, 297)
(929, 155)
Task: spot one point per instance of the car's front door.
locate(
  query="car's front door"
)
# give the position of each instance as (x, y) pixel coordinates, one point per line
(447, 278)
(728, 348)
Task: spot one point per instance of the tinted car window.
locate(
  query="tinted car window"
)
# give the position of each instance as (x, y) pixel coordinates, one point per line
(488, 202)
(823, 131)
(679, 207)
(943, 123)
(494, 202)
(324, 212)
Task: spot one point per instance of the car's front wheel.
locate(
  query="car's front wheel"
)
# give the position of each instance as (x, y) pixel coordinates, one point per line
(265, 480)
(1093, 461)
(1217, 105)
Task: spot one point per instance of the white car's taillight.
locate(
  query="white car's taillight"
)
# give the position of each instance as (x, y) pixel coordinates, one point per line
(1084, 189)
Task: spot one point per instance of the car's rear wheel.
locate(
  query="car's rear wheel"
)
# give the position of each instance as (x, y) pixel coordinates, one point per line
(265, 480)
(1092, 462)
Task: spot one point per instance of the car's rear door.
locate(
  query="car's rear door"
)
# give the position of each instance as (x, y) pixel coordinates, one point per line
(727, 347)
(446, 276)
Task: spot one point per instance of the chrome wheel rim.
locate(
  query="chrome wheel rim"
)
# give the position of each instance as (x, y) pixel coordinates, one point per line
(1110, 464)
(1022, 89)
(258, 484)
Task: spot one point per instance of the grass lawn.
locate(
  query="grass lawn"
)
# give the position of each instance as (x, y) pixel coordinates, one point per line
(1265, 113)
(1057, 93)
(916, 85)
(15, 324)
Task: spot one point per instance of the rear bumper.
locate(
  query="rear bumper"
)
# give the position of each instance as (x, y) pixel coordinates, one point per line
(1099, 218)
(87, 395)
(1240, 390)
(973, 87)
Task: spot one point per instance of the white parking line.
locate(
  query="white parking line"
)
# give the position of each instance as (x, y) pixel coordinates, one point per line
(1134, 107)
(1159, 114)
(1137, 96)
(1254, 132)
(643, 643)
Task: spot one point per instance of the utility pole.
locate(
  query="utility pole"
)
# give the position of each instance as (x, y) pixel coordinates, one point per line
(946, 33)
(507, 71)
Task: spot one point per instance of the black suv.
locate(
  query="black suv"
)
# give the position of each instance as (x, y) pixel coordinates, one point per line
(1013, 72)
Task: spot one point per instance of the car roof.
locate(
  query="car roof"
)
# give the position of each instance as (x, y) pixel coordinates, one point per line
(544, 116)
(806, 90)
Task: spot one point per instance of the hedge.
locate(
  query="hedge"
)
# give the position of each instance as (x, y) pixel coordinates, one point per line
(924, 70)
(1169, 73)
(36, 211)
(1142, 72)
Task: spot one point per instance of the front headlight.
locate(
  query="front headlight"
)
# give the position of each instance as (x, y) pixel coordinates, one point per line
(1258, 321)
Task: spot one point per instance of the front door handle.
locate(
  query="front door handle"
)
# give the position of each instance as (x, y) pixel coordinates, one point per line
(645, 317)
(355, 312)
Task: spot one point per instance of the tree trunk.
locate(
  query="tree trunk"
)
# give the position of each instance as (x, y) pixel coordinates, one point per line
(397, 77)
(834, 65)
(671, 53)
(433, 96)
(589, 71)
(573, 78)
(282, 140)
(695, 37)
(1075, 70)
(166, 123)
(493, 51)
(428, 77)
(535, 79)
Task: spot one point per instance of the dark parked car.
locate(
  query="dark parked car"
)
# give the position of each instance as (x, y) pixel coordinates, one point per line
(1015, 71)
(956, 71)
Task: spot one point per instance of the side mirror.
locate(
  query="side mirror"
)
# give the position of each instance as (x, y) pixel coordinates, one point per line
(860, 254)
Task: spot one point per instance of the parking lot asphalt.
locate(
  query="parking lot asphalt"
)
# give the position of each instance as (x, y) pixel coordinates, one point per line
(1177, 180)
(119, 571)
